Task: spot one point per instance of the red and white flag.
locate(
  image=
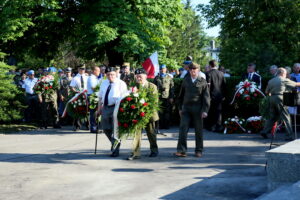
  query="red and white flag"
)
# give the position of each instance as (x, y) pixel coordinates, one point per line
(151, 65)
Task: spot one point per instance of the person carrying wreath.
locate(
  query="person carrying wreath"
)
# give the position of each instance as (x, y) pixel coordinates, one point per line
(111, 90)
(141, 81)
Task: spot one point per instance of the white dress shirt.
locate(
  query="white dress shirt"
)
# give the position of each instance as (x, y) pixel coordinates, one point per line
(76, 82)
(118, 90)
(92, 82)
(29, 84)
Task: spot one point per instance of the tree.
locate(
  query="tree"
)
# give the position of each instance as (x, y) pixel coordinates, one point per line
(265, 32)
(121, 29)
(188, 39)
(10, 106)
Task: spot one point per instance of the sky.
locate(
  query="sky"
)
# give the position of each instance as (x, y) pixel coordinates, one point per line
(211, 31)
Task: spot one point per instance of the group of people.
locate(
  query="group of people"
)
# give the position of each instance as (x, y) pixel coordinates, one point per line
(200, 98)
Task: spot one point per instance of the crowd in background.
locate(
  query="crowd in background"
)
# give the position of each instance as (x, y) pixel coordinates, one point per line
(26, 80)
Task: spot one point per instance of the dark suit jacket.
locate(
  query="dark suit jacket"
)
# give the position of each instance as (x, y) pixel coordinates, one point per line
(255, 78)
(217, 86)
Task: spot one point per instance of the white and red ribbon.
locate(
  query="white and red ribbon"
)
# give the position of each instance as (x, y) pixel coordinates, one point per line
(74, 99)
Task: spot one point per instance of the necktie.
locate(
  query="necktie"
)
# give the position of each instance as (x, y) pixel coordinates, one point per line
(82, 83)
(249, 76)
(106, 95)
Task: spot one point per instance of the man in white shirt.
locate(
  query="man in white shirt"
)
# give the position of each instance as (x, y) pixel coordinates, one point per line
(111, 90)
(92, 82)
(79, 82)
(31, 97)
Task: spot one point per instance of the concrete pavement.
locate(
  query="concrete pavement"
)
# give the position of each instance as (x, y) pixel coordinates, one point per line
(60, 164)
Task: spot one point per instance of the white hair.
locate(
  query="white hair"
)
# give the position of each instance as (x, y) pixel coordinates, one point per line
(296, 65)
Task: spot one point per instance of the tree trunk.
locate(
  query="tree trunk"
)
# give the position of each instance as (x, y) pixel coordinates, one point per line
(114, 57)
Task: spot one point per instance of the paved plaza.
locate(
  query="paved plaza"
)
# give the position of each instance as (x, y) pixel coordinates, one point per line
(60, 164)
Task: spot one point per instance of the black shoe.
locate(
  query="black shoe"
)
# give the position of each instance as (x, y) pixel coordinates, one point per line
(264, 135)
(153, 154)
(76, 128)
(115, 154)
(133, 157)
(93, 131)
(289, 139)
(56, 126)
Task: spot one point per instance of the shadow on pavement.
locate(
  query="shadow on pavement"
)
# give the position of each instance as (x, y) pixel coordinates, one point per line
(239, 184)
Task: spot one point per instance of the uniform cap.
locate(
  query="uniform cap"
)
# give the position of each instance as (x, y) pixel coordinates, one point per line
(110, 69)
(68, 69)
(140, 71)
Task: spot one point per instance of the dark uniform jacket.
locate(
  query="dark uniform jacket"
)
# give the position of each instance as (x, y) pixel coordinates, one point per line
(216, 82)
(194, 94)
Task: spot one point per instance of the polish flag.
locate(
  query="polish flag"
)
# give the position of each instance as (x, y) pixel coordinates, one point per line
(151, 65)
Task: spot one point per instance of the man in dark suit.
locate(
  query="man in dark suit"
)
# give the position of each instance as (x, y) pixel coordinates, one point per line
(251, 75)
(216, 84)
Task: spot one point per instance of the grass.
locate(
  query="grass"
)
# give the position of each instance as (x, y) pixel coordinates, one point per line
(12, 128)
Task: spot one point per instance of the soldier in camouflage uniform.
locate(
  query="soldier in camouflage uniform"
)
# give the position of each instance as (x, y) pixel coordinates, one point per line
(127, 76)
(49, 106)
(64, 90)
(165, 86)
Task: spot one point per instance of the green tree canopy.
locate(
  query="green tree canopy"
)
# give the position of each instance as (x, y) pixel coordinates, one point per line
(262, 31)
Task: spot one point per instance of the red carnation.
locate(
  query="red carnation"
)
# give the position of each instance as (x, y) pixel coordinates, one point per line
(238, 94)
(119, 124)
(121, 110)
(46, 88)
(255, 94)
(50, 86)
(145, 104)
(142, 114)
(128, 98)
(125, 125)
(132, 106)
(246, 92)
(247, 98)
(134, 121)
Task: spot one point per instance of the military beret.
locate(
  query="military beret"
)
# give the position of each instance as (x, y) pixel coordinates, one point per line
(59, 70)
(187, 62)
(30, 72)
(181, 69)
(140, 71)
(162, 66)
(52, 69)
(68, 69)
(110, 69)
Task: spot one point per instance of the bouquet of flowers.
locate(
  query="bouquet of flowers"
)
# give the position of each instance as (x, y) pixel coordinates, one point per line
(234, 125)
(246, 91)
(46, 84)
(93, 98)
(254, 124)
(77, 106)
(136, 110)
